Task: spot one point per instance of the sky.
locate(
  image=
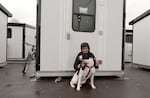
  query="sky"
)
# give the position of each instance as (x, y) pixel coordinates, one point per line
(134, 8)
(25, 10)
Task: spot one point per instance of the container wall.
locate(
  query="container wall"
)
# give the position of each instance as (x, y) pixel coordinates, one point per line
(15, 43)
(3, 31)
(141, 41)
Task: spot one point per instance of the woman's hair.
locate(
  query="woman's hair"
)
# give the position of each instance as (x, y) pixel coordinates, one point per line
(85, 44)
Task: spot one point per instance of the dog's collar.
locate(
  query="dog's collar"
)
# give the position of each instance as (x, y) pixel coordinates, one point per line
(90, 67)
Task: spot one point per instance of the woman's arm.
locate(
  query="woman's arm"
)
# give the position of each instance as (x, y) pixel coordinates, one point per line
(77, 62)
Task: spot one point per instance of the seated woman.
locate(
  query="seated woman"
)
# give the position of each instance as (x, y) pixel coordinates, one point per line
(84, 54)
(85, 60)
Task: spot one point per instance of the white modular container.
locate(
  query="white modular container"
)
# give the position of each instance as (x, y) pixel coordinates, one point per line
(18, 35)
(141, 39)
(128, 46)
(4, 14)
(62, 25)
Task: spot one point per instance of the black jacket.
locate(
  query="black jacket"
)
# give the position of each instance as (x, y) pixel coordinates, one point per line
(85, 56)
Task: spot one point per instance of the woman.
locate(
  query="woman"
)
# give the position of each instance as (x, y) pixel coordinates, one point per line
(84, 54)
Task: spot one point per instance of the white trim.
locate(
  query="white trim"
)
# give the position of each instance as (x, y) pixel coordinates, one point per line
(3, 64)
(70, 73)
(142, 66)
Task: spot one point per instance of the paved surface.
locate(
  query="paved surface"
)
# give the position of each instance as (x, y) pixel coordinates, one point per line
(136, 84)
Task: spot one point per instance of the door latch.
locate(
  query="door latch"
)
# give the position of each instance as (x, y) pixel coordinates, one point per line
(68, 36)
(100, 32)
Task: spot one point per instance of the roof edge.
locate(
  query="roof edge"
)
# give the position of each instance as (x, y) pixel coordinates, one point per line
(129, 30)
(145, 14)
(4, 10)
(21, 24)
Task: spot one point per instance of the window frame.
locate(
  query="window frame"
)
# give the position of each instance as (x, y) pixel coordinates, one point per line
(82, 14)
(9, 33)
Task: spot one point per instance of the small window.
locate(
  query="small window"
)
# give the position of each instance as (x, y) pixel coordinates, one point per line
(83, 18)
(129, 38)
(9, 33)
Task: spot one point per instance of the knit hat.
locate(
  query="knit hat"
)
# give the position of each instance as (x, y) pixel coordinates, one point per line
(85, 44)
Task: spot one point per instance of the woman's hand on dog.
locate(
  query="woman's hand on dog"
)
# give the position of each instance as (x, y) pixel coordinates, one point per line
(98, 62)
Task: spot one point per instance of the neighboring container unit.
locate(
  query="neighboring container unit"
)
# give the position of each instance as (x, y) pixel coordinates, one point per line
(4, 14)
(141, 39)
(17, 36)
(62, 25)
(128, 46)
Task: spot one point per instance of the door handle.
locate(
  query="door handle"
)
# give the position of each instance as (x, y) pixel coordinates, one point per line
(100, 33)
(68, 36)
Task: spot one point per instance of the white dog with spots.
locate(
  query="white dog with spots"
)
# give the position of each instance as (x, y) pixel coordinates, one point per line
(86, 71)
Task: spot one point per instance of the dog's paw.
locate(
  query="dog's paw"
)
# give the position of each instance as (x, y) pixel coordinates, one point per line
(72, 85)
(78, 89)
(93, 87)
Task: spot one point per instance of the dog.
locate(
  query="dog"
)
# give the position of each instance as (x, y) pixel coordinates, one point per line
(86, 71)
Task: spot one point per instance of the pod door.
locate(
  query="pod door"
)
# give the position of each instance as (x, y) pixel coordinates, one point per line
(86, 25)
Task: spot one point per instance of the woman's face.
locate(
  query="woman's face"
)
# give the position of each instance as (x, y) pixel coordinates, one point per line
(85, 50)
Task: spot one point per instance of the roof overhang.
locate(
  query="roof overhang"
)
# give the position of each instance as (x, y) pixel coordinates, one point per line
(4, 10)
(145, 14)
